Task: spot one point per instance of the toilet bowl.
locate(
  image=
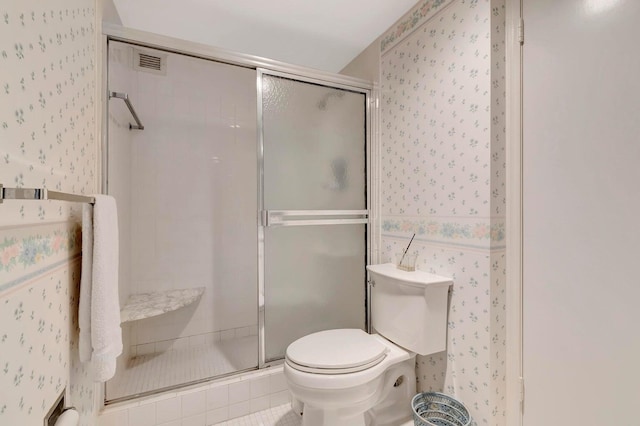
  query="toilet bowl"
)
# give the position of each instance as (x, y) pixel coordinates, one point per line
(347, 377)
(340, 390)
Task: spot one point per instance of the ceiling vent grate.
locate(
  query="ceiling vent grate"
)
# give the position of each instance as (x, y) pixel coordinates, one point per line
(144, 61)
(151, 62)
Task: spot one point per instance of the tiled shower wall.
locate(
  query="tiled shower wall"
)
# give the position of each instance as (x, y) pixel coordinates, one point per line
(442, 171)
(48, 138)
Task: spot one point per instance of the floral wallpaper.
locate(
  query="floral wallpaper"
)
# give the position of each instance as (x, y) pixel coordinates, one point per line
(47, 103)
(498, 331)
(47, 139)
(31, 382)
(498, 272)
(37, 345)
(436, 117)
(463, 370)
(442, 166)
(418, 15)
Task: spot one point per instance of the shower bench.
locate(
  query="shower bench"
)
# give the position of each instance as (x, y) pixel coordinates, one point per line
(147, 305)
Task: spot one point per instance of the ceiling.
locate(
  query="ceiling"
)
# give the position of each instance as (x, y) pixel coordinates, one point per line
(322, 34)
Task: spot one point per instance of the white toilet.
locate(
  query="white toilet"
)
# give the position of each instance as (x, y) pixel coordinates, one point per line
(347, 377)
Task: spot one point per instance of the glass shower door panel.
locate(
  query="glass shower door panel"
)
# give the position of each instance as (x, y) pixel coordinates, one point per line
(315, 210)
(314, 146)
(314, 280)
(186, 188)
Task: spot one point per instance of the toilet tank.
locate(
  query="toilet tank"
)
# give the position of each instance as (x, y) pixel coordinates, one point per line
(410, 308)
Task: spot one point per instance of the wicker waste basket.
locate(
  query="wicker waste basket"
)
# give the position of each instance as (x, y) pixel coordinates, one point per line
(438, 409)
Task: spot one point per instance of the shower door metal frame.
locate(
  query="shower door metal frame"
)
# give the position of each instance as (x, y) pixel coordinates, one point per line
(264, 216)
(114, 32)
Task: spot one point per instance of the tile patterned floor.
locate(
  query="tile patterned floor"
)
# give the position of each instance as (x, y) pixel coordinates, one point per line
(157, 371)
(276, 416)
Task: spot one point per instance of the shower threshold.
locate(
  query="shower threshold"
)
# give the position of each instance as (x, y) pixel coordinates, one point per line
(153, 373)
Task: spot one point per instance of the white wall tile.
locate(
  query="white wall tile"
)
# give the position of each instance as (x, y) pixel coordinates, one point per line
(239, 391)
(115, 418)
(143, 415)
(259, 404)
(227, 334)
(197, 420)
(198, 340)
(217, 397)
(193, 403)
(217, 415)
(277, 382)
(165, 345)
(243, 332)
(210, 400)
(145, 349)
(212, 337)
(168, 409)
(180, 343)
(279, 398)
(239, 409)
(259, 387)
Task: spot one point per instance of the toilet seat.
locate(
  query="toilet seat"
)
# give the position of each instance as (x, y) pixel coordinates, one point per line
(339, 351)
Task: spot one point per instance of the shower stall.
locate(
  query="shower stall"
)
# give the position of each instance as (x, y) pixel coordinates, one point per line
(242, 198)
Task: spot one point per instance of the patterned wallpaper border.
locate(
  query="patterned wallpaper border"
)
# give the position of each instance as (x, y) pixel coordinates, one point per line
(472, 233)
(30, 251)
(425, 10)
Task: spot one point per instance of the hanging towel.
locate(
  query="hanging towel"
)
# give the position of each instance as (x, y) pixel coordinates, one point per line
(99, 310)
(84, 309)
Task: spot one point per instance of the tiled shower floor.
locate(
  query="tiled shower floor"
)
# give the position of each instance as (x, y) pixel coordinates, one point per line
(151, 372)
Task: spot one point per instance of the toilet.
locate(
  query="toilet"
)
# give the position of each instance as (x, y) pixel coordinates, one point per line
(347, 377)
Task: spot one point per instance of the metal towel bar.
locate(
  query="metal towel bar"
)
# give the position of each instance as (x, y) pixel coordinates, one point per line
(41, 194)
(125, 98)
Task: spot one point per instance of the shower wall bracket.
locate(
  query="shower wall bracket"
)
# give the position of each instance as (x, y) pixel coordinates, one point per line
(125, 98)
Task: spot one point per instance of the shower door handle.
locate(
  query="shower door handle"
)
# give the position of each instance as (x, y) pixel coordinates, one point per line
(273, 218)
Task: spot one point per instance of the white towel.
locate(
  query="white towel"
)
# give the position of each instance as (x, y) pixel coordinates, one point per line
(84, 308)
(99, 311)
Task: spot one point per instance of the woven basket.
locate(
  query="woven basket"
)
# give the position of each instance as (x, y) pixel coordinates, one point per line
(438, 409)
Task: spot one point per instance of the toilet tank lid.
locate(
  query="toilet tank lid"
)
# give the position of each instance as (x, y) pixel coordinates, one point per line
(413, 278)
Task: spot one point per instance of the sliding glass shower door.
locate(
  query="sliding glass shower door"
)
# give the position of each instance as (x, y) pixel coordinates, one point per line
(187, 198)
(313, 245)
(208, 287)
